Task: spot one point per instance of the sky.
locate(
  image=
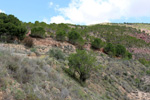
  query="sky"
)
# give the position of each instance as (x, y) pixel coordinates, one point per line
(81, 12)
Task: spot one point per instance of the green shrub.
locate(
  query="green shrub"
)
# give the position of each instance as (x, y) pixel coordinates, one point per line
(117, 50)
(60, 35)
(82, 63)
(38, 32)
(10, 26)
(80, 43)
(56, 53)
(148, 72)
(73, 37)
(110, 49)
(97, 43)
(129, 55)
(137, 82)
(120, 50)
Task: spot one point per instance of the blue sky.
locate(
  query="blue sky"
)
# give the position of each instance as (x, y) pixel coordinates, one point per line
(31, 10)
(78, 11)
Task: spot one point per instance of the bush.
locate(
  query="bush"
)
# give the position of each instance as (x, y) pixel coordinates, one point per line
(129, 55)
(38, 32)
(148, 72)
(120, 51)
(81, 63)
(10, 26)
(117, 50)
(110, 49)
(80, 43)
(56, 53)
(28, 41)
(60, 35)
(97, 43)
(73, 37)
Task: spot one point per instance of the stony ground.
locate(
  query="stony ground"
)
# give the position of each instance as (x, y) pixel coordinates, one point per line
(41, 46)
(139, 95)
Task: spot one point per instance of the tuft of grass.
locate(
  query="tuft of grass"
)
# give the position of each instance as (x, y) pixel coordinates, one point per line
(19, 95)
(57, 53)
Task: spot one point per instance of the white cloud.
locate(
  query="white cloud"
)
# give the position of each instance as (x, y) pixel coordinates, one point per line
(46, 20)
(139, 8)
(97, 11)
(50, 4)
(1, 11)
(59, 19)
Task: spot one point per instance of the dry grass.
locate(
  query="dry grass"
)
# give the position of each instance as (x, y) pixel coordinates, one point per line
(38, 78)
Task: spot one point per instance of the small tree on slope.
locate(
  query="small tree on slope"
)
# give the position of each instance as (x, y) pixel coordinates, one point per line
(81, 63)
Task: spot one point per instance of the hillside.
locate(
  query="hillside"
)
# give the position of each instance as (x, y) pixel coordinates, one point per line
(132, 37)
(40, 61)
(43, 77)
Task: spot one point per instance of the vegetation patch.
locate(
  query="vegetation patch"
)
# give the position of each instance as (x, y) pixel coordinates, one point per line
(38, 32)
(81, 63)
(57, 53)
(11, 28)
(97, 43)
(61, 35)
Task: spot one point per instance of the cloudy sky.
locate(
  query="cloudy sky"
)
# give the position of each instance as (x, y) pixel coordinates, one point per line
(82, 12)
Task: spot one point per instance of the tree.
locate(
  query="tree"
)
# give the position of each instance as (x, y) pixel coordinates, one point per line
(11, 26)
(60, 35)
(62, 26)
(73, 37)
(80, 43)
(38, 32)
(97, 43)
(81, 63)
(110, 49)
(37, 24)
(12, 19)
(120, 50)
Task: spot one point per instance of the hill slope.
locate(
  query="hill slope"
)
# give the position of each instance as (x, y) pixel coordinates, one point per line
(43, 77)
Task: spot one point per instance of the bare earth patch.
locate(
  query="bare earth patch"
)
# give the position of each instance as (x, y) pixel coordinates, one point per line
(139, 50)
(139, 95)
